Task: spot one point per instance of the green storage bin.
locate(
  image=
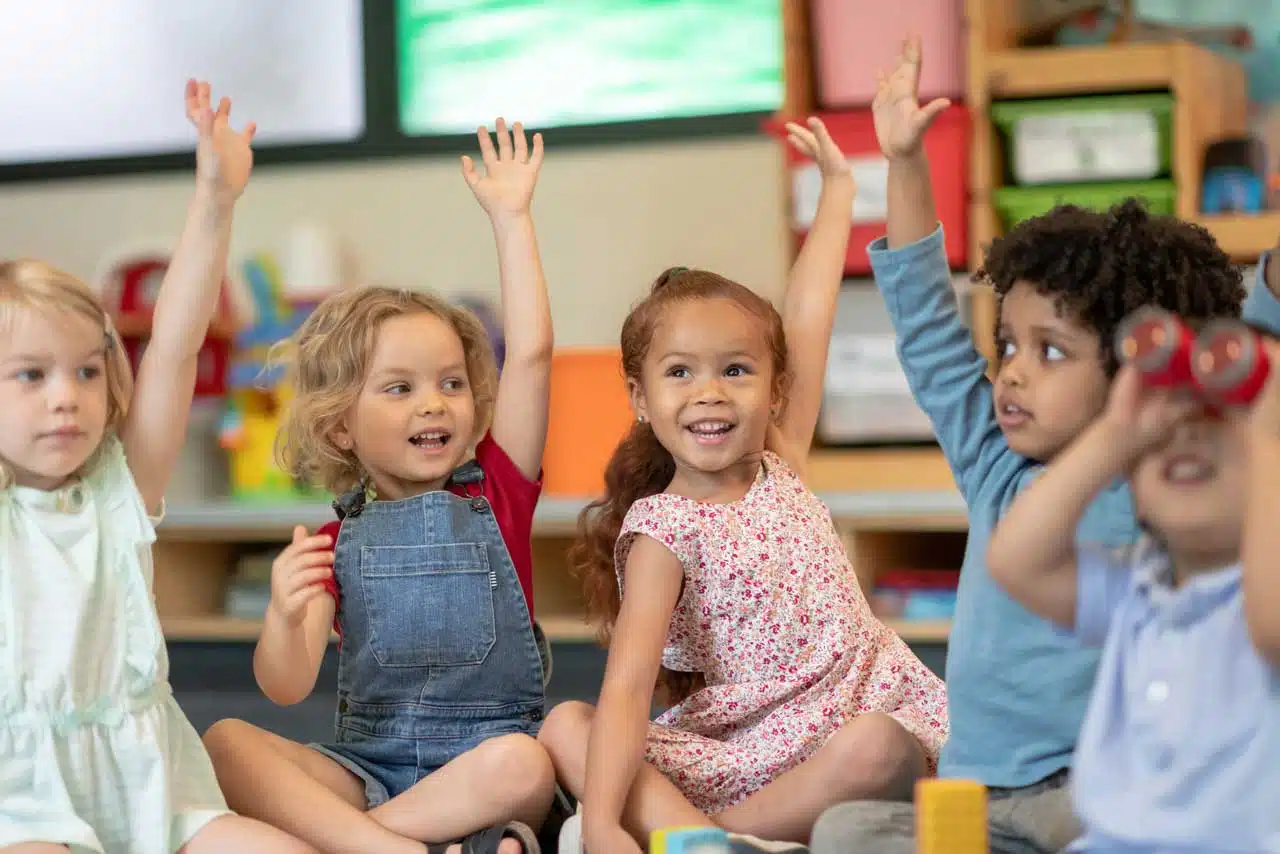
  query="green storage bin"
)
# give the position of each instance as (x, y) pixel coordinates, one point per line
(1018, 203)
(1093, 139)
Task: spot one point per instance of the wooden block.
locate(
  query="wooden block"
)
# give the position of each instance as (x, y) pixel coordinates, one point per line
(951, 817)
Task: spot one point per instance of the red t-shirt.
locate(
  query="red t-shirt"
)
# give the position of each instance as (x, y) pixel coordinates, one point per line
(513, 498)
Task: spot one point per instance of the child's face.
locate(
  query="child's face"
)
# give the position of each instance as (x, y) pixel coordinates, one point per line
(53, 395)
(707, 384)
(1051, 383)
(414, 419)
(1191, 491)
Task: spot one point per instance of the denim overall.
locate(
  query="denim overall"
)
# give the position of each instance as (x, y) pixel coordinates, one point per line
(438, 653)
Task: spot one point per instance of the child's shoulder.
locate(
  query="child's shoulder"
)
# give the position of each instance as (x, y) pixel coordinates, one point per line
(663, 511)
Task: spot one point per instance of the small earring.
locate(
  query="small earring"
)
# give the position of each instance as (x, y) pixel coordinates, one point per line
(640, 418)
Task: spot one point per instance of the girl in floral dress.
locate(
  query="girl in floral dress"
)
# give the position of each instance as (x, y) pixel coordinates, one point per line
(716, 571)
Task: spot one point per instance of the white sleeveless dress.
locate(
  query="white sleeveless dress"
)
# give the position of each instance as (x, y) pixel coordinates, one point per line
(94, 751)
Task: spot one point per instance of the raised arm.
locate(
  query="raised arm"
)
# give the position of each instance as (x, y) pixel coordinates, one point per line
(615, 749)
(156, 425)
(1032, 551)
(809, 307)
(295, 633)
(505, 192)
(1261, 548)
(944, 369)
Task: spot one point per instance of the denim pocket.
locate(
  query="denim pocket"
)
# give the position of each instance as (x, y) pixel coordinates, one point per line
(428, 606)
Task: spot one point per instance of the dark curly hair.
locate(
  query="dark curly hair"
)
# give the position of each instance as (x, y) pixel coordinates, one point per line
(641, 466)
(1100, 266)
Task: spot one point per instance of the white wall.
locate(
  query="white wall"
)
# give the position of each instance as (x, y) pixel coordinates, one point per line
(609, 220)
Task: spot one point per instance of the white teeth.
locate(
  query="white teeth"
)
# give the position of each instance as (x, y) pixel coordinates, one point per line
(1188, 470)
(710, 428)
(430, 436)
(1012, 409)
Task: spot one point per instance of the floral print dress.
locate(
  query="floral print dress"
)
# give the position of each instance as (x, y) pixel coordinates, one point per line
(773, 617)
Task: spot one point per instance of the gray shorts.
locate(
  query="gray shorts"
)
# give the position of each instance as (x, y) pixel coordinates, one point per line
(1035, 819)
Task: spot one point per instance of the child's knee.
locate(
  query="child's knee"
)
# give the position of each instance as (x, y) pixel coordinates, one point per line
(521, 766)
(566, 728)
(226, 737)
(875, 756)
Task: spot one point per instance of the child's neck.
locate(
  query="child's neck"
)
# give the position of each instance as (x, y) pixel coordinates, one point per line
(719, 487)
(1189, 563)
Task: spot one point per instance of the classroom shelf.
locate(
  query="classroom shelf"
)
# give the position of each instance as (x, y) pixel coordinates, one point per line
(1043, 72)
(1242, 236)
(558, 629)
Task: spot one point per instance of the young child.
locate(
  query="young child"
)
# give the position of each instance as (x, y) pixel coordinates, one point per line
(96, 754)
(1017, 688)
(1178, 751)
(428, 572)
(728, 573)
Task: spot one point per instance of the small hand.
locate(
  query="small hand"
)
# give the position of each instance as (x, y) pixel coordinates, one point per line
(298, 574)
(815, 142)
(900, 120)
(224, 157)
(1143, 418)
(511, 172)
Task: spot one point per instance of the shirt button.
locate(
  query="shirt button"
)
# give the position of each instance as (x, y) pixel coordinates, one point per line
(1158, 692)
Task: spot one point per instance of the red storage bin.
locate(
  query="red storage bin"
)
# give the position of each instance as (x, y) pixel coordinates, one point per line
(947, 146)
(856, 38)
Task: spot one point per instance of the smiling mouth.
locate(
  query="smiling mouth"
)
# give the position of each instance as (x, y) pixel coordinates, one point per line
(430, 440)
(709, 432)
(1187, 470)
(1012, 414)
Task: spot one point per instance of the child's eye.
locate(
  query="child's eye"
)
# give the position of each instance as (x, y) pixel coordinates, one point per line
(1004, 348)
(90, 372)
(736, 371)
(29, 375)
(1053, 354)
(397, 388)
(678, 371)
(453, 385)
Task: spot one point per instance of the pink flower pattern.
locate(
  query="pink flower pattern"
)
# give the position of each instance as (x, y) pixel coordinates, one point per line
(773, 617)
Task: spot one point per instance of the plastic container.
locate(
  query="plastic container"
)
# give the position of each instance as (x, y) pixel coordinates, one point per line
(1018, 203)
(947, 146)
(1101, 138)
(853, 39)
(590, 413)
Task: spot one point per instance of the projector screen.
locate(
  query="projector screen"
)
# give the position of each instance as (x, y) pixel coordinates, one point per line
(556, 63)
(90, 79)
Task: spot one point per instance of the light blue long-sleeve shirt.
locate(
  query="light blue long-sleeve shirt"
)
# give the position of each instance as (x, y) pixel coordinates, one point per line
(1017, 685)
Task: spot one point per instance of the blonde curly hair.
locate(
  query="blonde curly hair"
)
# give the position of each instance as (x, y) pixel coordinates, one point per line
(328, 361)
(30, 285)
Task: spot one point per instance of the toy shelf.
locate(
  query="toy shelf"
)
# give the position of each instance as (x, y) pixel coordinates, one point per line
(1242, 236)
(894, 508)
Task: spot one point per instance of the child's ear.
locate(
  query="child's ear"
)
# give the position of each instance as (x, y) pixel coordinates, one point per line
(341, 437)
(636, 395)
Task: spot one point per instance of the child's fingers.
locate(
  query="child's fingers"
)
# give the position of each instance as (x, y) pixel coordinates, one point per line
(504, 139)
(309, 578)
(249, 130)
(487, 154)
(520, 144)
(535, 159)
(309, 560)
(224, 107)
(932, 110)
(469, 173)
(192, 98)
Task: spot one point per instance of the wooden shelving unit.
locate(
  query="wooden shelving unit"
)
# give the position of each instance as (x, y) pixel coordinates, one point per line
(1210, 96)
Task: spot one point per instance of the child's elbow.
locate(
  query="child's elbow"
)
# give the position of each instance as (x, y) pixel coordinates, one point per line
(284, 686)
(999, 562)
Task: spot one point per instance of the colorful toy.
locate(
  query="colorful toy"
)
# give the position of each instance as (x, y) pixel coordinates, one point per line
(257, 394)
(1230, 363)
(1226, 363)
(951, 817)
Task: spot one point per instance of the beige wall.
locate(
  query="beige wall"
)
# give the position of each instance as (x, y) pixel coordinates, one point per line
(609, 220)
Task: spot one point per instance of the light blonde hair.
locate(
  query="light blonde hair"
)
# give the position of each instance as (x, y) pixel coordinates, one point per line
(30, 285)
(328, 361)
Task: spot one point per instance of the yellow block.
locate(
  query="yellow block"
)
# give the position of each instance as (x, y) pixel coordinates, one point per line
(951, 817)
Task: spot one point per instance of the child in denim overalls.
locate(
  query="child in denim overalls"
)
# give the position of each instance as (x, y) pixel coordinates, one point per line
(428, 571)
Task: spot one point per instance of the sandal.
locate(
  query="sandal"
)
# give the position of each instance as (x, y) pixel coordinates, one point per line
(486, 841)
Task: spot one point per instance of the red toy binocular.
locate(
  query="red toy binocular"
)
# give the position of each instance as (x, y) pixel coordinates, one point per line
(1226, 362)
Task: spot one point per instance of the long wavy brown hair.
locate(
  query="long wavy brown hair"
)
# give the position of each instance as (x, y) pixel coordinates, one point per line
(640, 465)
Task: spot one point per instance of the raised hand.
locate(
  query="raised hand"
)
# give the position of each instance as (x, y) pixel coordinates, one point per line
(224, 157)
(900, 120)
(298, 575)
(1144, 418)
(510, 172)
(815, 142)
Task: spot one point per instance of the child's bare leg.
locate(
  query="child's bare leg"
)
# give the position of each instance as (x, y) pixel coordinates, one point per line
(654, 802)
(506, 778)
(34, 848)
(297, 789)
(237, 833)
(870, 758)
